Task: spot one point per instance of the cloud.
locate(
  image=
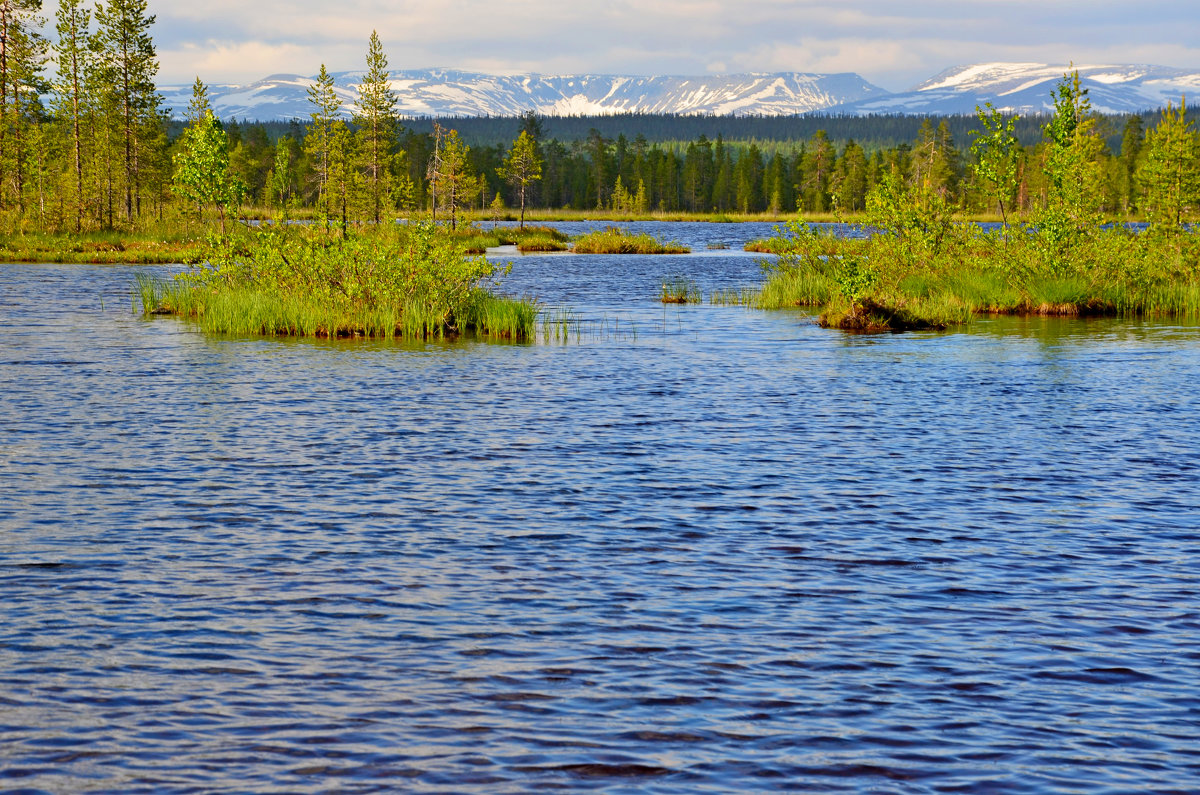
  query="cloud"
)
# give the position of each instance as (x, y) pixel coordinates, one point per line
(889, 44)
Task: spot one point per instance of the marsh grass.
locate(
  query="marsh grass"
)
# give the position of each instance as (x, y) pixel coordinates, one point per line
(680, 290)
(412, 282)
(476, 240)
(612, 240)
(559, 324)
(734, 296)
(137, 248)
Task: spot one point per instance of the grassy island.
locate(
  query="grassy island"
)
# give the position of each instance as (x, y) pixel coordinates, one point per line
(907, 279)
(613, 240)
(476, 240)
(411, 281)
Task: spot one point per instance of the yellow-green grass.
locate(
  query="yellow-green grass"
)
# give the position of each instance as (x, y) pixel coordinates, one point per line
(100, 247)
(251, 311)
(612, 240)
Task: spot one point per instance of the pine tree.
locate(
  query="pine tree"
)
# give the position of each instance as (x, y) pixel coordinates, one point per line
(319, 141)
(22, 59)
(1170, 172)
(451, 181)
(127, 66)
(522, 167)
(376, 120)
(70, 103)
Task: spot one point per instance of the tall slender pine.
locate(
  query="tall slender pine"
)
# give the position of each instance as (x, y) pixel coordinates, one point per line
(128, 65)
(376, 120)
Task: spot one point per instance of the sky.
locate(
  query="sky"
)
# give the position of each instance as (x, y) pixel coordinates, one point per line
(892, 44)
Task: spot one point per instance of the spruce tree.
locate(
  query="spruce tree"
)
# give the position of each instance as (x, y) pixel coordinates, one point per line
(1132, 138)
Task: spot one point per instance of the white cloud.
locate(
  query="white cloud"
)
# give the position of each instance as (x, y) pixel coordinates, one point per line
(893, 45)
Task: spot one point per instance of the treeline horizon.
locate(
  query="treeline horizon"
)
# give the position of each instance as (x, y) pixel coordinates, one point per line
(104, 154)
(874, 131)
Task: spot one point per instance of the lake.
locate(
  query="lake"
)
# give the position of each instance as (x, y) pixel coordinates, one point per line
(689, 549)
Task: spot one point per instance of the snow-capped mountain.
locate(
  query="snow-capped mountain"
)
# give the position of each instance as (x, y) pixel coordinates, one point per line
(1027, 87)
(452, 93)
(1017, 87)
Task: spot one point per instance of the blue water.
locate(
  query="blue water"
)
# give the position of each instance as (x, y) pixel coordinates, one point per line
(691, 549)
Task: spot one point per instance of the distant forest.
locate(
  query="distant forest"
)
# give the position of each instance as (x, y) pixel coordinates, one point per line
(875, 132)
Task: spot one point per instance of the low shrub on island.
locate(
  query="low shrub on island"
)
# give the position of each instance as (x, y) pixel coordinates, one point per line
(410, 281)
(922, 268)
(900, 280)
(613, 240)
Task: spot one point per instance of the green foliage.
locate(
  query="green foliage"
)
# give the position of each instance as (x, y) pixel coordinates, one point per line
(1072, 166)
(996, 157)
(522, 167)
(1170, 172)
(413, 280)
(280, 180)
(915, 215)
(202, 173)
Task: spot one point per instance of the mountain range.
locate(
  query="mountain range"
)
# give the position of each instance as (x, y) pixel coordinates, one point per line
(1017, 87)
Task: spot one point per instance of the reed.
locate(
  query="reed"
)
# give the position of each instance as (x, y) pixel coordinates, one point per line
(680, 290)
(735, 296)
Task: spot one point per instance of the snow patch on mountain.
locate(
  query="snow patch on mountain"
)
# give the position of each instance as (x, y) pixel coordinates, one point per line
(1013, 87)
(1027, 88)
(444, 92)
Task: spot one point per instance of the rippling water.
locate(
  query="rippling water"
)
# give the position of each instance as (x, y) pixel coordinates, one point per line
(693, 549)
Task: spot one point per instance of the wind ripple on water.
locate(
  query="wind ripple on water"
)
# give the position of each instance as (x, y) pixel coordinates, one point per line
(738, 553)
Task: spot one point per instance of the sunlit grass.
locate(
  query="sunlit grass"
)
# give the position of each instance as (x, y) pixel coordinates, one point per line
(612, 240)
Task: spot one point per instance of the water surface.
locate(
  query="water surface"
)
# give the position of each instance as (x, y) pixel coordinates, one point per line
(693, 549)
